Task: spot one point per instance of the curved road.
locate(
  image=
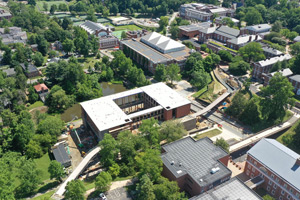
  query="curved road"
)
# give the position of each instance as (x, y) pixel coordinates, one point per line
(61, 190)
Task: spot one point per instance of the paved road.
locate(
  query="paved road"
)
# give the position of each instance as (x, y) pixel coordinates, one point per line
(60, 192)
(118, 194)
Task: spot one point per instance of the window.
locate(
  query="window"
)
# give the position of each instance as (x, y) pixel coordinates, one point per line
(253, 169)
(274, 186)
(249, 167)
(252, 175)
(282, 192)
(291, 190)
(280, 198)
(268, 188)
(273, 192)
(288, 196)
(298, 195)
(285, 185)
(277, 179)
(272, 176)
(247, 172)
(255, 163)
(270, 182)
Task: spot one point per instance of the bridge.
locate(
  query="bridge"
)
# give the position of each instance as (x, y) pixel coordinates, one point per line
(263, 134)
(78, 170)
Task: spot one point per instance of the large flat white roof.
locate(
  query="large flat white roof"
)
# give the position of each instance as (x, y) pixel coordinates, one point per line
(106, 114)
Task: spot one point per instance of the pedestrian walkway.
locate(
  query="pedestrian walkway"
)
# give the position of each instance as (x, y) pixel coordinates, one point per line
(60, 192)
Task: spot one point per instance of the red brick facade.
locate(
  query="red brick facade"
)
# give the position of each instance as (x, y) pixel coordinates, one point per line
(273, 184)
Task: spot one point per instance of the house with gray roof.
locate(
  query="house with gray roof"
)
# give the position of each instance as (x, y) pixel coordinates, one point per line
(278, 167)
(234, 189)
(60, 154)
(4, 14)
(9, 72)
(197, 166)
(295, 80)
(30, 70)
(297, 39)
(14, 35)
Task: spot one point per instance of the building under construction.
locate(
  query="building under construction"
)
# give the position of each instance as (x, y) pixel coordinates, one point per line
(126, 110)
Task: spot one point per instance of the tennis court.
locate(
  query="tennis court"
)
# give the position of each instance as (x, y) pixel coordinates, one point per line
(118, 33)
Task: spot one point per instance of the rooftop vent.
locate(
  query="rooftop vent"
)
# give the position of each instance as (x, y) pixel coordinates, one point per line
(179, 172)
(168, 107)
(127, 120)
(172, 163)
(298, 161)
(214, 170)
(201, 180)
(180, 164)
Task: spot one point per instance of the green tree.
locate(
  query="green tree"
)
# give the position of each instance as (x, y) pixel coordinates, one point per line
(295, 48)
(174, 30)
(276, 97)
(53, 8)
(160, 72)
(109, 74)
(94, 44)
(268, 197)
(123, 35)
(220, 142)
(253, 17)
(114, 170)
(200, 79)
(33, 96)
(252, 52)
(34, 150)
(172, 130)
(91, 15)
(30, 177)
(239, 67)
(150, 130)
(38, 59)
(7, 56)
(167, 190)
(150, 163)
(163, 22)
(277, 26)
(52, 125)
(45, 6)
(7, 181)
(105, 12)
(66, 23)
(32, 2)
(109, 151)
(225, 55)
(251, 114)
(75, 190)
(145, 189)
(237, 106)
(173, 73)
(57, 100)
(114, 8)
(68, 46)
(103, 182)
(56, 170)
(127, 142)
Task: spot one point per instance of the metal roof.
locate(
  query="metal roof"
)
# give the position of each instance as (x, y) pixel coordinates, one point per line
(60, 154)
(162, 43)
(91, 27)
(274, 60)
(295, 78)
(279, 159)
(259, 28)
(196, 158)
(272, 51)
(112, 115)
(227, 32)
(234, 189)
(245, 39)
(284, 72)
(195, 27)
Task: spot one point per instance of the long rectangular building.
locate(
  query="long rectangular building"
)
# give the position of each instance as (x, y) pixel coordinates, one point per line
(126, 110)
(153, 49)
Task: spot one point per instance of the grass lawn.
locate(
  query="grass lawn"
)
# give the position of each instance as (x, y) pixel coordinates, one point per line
(88, 61)
(50, 3)
(209, 134)
(130, 27)
(43, 164)
(35, 105)
(44, 196)
(89, 184)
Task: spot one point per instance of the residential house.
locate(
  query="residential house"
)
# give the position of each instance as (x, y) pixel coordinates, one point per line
(295, 80)
(5, 15)
(42, 90)
(30, 70)
(14, 35)
(277, 166)
(297, 39)
(60, 154)
(10, 72)
(196, 166)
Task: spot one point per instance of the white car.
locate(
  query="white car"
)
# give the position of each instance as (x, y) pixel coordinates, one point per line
(102, 196)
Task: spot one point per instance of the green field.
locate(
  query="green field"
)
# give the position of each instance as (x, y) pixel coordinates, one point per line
(43, 164)
(50, 3)
(209, 134)
(35, 105)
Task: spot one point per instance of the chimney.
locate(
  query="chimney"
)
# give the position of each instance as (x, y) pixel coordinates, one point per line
(298, 161)
(250, 37)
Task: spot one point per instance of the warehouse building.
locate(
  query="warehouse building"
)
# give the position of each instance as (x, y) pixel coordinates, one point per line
(125, 110)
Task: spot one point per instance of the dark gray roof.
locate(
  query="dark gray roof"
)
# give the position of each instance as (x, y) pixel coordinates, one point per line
(30, 68)
(196, 158)
(279, 159)
(233, 189)
(295, 78)
(227, 32)
(259, 28)
(60, 154)
(146, 51)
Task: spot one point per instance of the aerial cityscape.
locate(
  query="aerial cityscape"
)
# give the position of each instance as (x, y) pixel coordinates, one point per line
(149, 100)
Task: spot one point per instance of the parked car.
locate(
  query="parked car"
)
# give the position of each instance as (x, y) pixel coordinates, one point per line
(102, 196)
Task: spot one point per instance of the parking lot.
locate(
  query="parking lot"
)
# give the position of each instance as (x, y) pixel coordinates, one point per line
(118, 194)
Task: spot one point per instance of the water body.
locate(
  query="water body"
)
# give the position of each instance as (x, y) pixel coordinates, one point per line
(74, 112)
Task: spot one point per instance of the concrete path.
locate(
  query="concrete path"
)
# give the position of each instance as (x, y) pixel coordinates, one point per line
(264, 134)
(59, 193)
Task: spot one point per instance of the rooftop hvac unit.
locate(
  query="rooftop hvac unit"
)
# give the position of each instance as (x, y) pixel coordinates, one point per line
(214, 170)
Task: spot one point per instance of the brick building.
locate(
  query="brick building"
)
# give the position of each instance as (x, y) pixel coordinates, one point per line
(278, 167)
(125, 110)
(104, 33)
(264, 66)
(197, 166)
(221, 34)
(192, 30)
(203, 12)
(284, 72)
(136, 34)
(256, 29)
(153, 49)
(295, 80)
(237, 43)
(220, 21)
